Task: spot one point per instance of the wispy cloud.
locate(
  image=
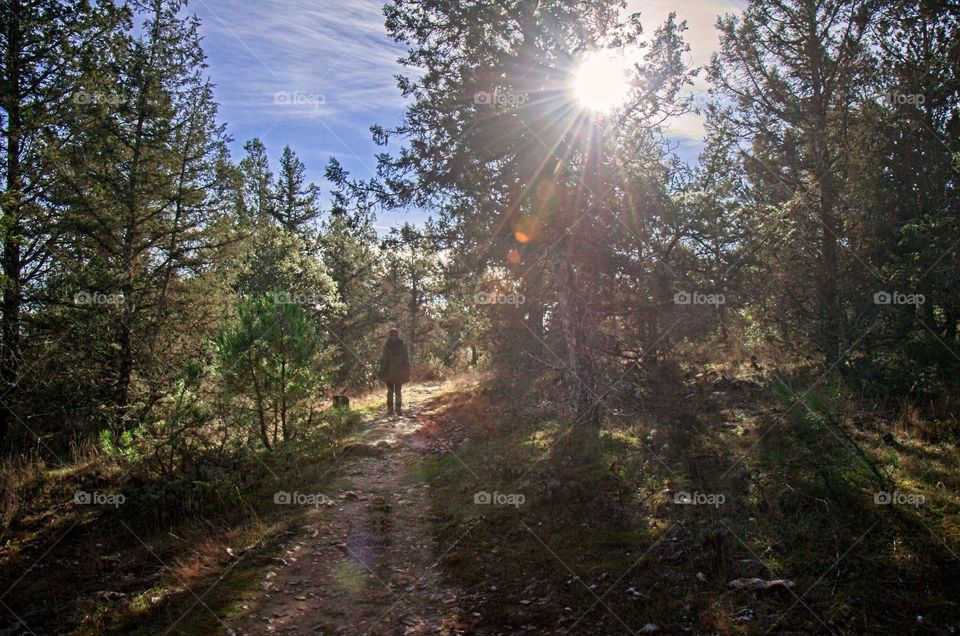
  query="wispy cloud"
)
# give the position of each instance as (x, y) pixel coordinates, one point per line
(333, 57)
(313, 74)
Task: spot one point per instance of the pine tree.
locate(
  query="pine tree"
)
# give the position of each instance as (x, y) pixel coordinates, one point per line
(43, 47)
(138, 219)
(296, 200)
(355, 264)
(272, 355)
(792, 69)
(535, 191)
(258, 198)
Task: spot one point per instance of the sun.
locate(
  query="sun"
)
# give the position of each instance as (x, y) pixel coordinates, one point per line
(601, 82)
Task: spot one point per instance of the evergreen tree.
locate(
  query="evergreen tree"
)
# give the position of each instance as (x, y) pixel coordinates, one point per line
(271, 358)
(44, 46)
(534, 187)
(355, 264)
(296, 201)
(792, 70)
(258, 198)
(137, 221)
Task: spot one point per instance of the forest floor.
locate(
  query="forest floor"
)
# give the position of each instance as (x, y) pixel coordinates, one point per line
(480, 510)
(471, 514)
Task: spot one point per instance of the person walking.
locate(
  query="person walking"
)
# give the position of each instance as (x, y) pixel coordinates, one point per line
(394, 371)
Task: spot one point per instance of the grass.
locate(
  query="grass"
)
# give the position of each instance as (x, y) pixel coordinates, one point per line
(599, 519)
(143, 565)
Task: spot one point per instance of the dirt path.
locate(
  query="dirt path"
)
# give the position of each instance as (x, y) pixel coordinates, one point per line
(364, 562)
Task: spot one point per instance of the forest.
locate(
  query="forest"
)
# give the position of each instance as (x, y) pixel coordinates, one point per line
(647, 394)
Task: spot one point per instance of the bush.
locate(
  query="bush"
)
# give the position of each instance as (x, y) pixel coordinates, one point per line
(271, 363)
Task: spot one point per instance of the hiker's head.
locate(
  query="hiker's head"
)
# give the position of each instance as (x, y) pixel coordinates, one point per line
(394, 333)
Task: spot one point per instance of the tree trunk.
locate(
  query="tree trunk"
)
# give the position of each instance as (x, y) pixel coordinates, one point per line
(822, 148)
(129, 254)
(261, 414)
(535, 323)
(283, 401)
(831, 307)
(12, 201)
(414, 314)
(580, 368)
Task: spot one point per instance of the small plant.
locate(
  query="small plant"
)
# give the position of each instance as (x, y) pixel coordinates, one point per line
(271, 360)
(816, 406)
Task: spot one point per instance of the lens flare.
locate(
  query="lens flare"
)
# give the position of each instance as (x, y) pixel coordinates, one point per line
(527, 229)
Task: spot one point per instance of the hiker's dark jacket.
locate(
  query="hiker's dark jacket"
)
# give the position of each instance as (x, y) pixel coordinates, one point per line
(395, 362)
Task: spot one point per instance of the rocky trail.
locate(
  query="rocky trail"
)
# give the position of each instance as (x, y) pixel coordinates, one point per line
(366, 561)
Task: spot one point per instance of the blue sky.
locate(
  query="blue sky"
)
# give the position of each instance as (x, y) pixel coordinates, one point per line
(333, 67)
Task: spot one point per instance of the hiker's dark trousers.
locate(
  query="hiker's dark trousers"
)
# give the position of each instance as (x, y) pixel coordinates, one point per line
(394, 390)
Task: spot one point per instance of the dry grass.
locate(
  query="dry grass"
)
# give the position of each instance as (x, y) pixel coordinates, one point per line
(20, 476)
